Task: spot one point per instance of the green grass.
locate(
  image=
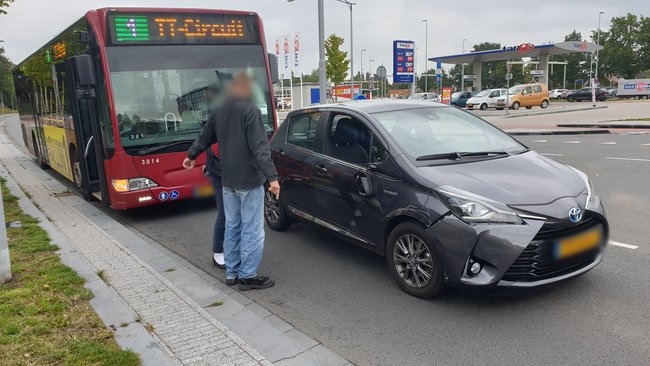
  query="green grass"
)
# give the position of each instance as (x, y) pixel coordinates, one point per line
(644, 119)
(45, 317)
(215, 304)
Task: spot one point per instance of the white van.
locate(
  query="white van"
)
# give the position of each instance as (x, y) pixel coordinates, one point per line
(485, 99)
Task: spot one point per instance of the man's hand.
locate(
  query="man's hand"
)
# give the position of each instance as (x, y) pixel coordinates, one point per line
(189, 164)
(274, 187)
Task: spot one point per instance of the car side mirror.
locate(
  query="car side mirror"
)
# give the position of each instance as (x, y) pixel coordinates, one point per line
(364, 184)
(273, 65)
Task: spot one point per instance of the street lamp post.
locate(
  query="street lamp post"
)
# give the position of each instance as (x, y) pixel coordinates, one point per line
(462, 70)
(363, 76)
(594, 80)
(426, 55)
(372, 77)
(350, 4)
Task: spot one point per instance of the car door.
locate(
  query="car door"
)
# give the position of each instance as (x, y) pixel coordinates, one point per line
(295, 159)
(492, 98)
(527, 96)
(345, 184)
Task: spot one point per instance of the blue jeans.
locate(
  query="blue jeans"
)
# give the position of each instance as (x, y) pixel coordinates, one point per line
(220, 221)
(244, 239)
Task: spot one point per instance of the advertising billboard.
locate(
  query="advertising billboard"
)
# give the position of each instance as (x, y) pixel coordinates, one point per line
(403, 61)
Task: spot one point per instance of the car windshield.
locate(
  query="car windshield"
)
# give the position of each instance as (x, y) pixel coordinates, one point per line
(456, 95)
(515, 89)
(163, 94)
(417, 96)
(483, 93)
(443, 130)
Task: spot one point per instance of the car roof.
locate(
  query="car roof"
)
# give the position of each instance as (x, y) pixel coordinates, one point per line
(380, 105)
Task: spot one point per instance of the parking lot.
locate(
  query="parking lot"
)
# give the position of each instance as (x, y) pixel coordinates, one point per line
(344, 297)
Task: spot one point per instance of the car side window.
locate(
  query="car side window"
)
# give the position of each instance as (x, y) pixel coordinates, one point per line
(537, 89)
(528, 90)
(351, 141)
(495, 93)
(302, 130)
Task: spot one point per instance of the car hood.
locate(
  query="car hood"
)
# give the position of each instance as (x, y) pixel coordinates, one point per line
(524, 179)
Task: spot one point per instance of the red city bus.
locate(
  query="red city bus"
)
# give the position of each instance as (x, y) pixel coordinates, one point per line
(114, 102)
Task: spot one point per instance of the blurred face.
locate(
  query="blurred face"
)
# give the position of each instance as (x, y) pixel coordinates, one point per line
(241, 88)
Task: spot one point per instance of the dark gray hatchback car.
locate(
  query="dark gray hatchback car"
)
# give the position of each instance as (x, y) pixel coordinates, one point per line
(448, 198)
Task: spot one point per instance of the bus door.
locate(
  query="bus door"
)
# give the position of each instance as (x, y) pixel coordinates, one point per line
(88, 168)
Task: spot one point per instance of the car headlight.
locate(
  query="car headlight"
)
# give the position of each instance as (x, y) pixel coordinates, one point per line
(473, 208)
(132, 184)
(592, 198)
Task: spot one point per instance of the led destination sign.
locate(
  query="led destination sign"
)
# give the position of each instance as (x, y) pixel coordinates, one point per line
(184, 28)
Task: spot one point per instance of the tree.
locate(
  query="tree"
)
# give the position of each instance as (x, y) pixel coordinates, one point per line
(4, 4)
(337, 61)
(6, 79)
(620, 56)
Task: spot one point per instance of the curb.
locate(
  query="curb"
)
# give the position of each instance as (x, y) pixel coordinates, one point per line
(604, 125)
(558, 132)
(553, 112)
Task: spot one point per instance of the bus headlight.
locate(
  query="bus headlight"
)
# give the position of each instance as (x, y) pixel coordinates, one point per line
(132, 184)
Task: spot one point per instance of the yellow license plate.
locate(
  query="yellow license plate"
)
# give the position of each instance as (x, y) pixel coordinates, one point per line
(204, 191)
(578, 244)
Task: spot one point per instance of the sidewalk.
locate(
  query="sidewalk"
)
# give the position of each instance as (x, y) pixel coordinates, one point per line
(158, 304)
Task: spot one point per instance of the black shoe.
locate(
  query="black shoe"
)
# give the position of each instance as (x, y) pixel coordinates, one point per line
(255, 283)
(232, 281)
(220, 266)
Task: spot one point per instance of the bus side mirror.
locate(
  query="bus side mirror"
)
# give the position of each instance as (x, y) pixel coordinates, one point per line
(84, 71)
(273, 65)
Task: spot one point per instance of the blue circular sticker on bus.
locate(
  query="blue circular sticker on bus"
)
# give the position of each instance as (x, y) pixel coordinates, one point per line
(163, 196)
(174, 195)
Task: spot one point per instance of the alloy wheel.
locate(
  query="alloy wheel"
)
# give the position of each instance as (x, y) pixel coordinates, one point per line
(413, 260)
(271, 207)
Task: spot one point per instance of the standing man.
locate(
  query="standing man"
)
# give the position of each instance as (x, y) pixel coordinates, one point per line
(246, 165)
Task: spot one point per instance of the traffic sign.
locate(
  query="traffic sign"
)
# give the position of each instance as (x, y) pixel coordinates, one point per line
(509, 67)
(381, 72)
(509, 76)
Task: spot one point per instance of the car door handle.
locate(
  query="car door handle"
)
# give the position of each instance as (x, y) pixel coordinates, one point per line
(281, 152)
(320, 170)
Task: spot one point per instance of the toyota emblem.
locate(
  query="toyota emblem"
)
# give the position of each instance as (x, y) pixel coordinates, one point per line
(575, 214)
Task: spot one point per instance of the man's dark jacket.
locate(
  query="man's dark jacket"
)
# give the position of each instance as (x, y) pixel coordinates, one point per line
(243, 145)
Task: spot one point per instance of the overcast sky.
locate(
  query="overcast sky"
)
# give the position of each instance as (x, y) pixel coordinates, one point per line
(31, 23)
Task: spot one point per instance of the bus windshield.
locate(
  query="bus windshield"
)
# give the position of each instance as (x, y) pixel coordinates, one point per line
(163, 94)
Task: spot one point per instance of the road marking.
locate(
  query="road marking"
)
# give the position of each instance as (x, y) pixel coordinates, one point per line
(546, 141)
(571, 142)
(628, 159)
(551, 154)
(608, 143)
(623, 245)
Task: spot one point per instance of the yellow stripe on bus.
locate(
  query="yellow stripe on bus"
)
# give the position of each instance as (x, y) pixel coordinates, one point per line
(57, 150)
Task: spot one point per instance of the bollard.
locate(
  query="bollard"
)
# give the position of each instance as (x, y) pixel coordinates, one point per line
(5, 264)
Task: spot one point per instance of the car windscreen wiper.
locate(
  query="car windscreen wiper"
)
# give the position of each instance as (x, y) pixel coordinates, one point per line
(458, 155)
(153, 149)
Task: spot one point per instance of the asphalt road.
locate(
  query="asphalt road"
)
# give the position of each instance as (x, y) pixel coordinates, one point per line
(344, 296)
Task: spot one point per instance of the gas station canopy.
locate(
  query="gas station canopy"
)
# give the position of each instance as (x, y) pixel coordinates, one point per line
(517, 52)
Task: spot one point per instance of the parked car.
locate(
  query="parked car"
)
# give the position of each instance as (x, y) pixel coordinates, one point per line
(485, 99)
(556, 93)
(566, 93)
(585, 94)
(459, 99)
(448, 198)
(525, 95)
(426, 96)
(612, 92)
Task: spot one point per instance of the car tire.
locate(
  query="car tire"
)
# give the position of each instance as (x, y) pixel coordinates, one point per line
(516, 106)
(275, 213)
(484, 106)
(410, 264)
(544, 104)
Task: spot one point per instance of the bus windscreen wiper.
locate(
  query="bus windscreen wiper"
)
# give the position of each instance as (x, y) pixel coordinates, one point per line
(458, 155)
(153, 149)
